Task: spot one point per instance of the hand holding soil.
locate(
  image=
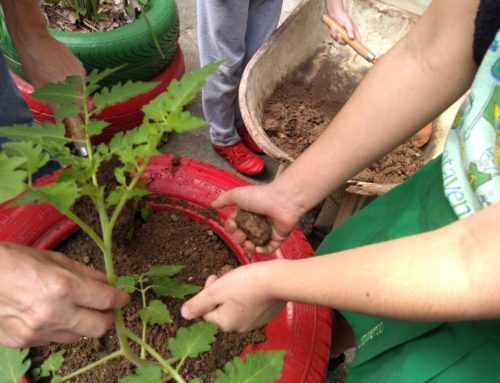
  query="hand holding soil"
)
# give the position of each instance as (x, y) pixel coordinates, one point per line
(271, 221)
(257, 227)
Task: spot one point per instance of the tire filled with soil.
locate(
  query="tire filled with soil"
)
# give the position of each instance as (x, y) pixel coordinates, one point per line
(182, 231)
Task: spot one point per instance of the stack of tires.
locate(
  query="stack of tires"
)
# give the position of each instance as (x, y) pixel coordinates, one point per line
(135, 47)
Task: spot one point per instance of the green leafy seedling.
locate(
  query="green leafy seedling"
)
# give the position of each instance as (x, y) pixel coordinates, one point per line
(29, 150)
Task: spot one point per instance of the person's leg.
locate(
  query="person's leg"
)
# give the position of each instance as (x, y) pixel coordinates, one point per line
(221, 35)
(13, 107)
(263, 18)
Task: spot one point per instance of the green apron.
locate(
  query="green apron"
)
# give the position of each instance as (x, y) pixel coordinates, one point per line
(401, 351)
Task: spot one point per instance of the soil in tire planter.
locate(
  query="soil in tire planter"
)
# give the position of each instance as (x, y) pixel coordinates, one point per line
(295, 116)
(165, 238)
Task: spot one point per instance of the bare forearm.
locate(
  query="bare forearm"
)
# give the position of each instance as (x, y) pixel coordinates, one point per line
(25, 23)
(446, 274)
(409, 87)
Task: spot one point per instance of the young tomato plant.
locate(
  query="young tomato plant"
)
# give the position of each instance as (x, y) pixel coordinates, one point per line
(29, 150)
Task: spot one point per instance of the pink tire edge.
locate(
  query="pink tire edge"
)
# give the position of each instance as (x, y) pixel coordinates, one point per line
(303, 330)
(123, 116)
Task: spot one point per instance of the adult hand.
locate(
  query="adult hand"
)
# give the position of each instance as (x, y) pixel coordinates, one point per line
(45, 60)
(238, 301)
(335, 9)
(46, 297)
(262, 199)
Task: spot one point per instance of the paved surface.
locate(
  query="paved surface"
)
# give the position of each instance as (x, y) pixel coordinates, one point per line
(196, 144)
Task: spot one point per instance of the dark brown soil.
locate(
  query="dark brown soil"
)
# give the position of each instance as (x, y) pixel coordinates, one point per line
(65, 18)
(395, 167)
(166, 238)
(295, 115)
(257, 227)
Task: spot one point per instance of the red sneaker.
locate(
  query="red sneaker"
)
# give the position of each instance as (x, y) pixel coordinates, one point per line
(241, 158)
(248, 140)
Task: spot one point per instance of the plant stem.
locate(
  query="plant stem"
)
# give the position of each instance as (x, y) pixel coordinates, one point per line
(86, 228)
(166, 366)
(86, 119)
(125, 195)
(144, 323)
(89, 367)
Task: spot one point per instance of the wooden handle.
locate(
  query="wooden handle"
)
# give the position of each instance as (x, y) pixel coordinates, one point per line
(353, 43)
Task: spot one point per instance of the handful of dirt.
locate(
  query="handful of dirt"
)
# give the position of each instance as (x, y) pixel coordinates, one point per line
(257, 227)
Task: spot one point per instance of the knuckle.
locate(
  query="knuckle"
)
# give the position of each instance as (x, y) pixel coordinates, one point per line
(46, 315)
(60, 287)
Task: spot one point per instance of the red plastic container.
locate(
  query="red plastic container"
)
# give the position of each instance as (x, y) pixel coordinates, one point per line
(124, 116)
(303, 330)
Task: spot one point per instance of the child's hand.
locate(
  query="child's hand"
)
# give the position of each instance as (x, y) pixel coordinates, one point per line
(335, 9)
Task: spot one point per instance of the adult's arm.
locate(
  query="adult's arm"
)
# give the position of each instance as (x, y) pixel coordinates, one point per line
(43, 58)
(46, 297)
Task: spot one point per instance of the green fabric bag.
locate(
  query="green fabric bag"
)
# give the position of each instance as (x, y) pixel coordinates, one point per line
(402, 351)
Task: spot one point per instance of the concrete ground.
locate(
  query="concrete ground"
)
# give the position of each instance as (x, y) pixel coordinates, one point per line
(196, 144)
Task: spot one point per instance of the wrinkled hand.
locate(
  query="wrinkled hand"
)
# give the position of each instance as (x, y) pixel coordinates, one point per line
(335, 9)
(237, 301)
(46, 297)
(261, 200)
(45, 60)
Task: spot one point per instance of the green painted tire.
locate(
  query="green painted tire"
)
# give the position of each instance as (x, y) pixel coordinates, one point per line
(132, 44)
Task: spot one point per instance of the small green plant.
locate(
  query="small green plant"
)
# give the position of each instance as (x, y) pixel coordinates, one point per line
(28, 152)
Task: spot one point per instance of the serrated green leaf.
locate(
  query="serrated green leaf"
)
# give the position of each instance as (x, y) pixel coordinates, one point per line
(95, 127)
(12, 177)
(52, 133)
(52, 364)
(126, 283)
(185, 121)
(13, 364)
(120, 175)
(94, 77)
(195, 380)
(115, 196)
(191, 341)
(119, 93)
(61, 93)
(262, 367)
(35, 374)
(61, 195)
(33, 154)
(164, 270)
(56, 379)
(69, 110)
(169, 287)
(180, 93)
(155, 313)
(146, 213)
(147, 374)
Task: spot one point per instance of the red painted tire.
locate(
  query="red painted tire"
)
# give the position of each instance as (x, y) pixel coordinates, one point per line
(303, 330)
(124, 116)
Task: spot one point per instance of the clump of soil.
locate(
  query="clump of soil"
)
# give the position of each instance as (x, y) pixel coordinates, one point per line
(63, 17)
(165, 238)
(295, 115)
(257, 227)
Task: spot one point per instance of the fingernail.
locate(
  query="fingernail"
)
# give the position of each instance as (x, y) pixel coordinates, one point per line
(185, 312)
